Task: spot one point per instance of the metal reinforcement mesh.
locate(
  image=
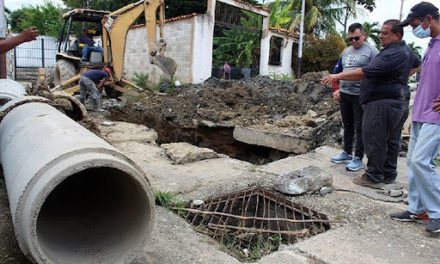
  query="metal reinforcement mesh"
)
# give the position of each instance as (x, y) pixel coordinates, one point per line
(253, 223)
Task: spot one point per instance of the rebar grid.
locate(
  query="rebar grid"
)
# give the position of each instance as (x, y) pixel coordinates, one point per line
(255, 218)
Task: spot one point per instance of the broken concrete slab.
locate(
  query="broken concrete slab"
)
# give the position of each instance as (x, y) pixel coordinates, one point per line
(285, 256)
(182, 153)
(280, 141)
(122, 132)
(198, 179)
(310, 179)
(174, 241)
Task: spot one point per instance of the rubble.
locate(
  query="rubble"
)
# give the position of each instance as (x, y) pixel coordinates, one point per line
(182, 153)
(309, 180)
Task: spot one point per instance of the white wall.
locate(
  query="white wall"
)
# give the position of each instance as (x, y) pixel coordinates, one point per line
(286, 56)
(178, 36)
(202, 52)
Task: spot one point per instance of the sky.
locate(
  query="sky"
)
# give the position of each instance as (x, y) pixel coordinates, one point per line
(385, 9)
(15, 4)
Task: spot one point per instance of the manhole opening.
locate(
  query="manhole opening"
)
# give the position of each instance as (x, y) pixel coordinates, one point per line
(251, 224)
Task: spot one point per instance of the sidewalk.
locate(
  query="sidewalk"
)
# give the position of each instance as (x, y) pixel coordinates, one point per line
(369, 235)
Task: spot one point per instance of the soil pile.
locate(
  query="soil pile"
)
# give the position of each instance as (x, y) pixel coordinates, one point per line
(304, 107)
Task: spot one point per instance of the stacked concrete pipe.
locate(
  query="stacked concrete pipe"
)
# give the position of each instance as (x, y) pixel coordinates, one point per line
(73, 197)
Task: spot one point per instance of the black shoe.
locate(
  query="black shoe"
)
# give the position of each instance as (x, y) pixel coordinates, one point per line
(410, 217)
(433, 226)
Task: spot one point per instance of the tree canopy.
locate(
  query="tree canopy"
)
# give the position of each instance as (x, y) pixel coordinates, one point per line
(46, 18)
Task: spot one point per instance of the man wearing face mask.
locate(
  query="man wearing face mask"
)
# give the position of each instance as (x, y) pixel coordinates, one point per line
(424, 145)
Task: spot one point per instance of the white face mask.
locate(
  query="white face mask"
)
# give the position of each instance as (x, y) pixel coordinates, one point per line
(422, 33)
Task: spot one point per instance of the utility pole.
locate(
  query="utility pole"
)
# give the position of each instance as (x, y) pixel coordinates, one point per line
(401, 8)
(301, 38)
(2, 37)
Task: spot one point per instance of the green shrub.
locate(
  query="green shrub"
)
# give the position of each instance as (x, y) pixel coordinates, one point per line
(141, 80)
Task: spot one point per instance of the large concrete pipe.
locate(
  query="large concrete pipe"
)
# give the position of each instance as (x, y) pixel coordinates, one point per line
(73, 197)
(9, 90)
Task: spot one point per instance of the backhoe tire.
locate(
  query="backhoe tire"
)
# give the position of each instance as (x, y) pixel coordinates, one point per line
(64, 70)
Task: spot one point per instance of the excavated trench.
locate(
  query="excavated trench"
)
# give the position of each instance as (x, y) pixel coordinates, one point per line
(272, 118)
(219, 139)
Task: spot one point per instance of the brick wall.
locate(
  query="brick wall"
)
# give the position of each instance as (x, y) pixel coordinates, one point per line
(178, 36)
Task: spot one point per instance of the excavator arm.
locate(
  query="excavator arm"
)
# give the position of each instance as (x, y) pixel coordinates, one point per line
(115, 29)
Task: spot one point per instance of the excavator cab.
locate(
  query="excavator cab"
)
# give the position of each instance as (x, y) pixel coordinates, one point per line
(68, 58)
(110, 30)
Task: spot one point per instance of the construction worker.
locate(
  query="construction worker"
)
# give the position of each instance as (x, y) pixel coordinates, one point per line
(91, 82)
(87, 44)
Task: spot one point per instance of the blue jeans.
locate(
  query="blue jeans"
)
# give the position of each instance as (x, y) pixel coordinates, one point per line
(87, 86)
(87, 49)
(424, 182)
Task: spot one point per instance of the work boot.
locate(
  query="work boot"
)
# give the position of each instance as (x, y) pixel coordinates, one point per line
(342, 158)
(365, 181)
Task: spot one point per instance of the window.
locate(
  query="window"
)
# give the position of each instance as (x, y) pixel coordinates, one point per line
(275, 50)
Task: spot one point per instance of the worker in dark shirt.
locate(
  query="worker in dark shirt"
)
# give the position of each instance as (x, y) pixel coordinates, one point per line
(384, 95)
(86, 42)
(91, 82)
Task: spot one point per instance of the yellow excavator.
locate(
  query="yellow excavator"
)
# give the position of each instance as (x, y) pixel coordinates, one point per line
(110, 28)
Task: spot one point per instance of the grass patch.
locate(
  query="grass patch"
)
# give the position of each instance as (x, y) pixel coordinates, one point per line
(168, 200)
(281, 76)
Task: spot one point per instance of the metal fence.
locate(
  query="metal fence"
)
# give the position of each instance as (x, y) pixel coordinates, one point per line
(38, 53)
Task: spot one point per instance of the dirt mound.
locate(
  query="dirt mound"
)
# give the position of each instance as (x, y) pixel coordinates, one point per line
(303, 106)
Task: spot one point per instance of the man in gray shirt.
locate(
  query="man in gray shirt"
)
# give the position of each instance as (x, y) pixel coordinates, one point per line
(357, 55)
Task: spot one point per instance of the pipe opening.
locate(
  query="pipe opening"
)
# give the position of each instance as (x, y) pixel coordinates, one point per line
(99, 215)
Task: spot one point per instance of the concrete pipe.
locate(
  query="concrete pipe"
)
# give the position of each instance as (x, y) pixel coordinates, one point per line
(9, 90)
(73, 197)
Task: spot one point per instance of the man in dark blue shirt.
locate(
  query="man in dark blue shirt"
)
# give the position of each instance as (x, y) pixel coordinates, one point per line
(87, 45)
(384, 95)
(92, 82)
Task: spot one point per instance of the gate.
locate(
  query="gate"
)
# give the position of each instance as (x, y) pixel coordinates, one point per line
(35, 54)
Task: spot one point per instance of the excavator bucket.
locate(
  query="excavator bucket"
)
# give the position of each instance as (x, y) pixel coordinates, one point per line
(166, 64)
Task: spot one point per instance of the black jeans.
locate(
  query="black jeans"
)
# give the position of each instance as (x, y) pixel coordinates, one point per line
(382, 126)
(351, 112)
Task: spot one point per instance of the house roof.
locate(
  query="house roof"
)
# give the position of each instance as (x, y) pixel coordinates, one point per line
(284, 32)
(262, 7)
(170, 19)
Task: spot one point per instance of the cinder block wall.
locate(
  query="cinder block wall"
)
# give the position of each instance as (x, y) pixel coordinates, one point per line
(178, 35)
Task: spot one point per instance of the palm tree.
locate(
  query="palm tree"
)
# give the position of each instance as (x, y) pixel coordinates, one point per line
(236, 46)
(416, 49)
(372, 32)
(281, 13)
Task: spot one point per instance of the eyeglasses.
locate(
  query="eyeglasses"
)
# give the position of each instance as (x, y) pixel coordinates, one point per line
(354, 38)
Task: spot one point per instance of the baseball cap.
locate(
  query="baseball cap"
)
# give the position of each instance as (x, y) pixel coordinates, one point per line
(108, 71)
(419, 11)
